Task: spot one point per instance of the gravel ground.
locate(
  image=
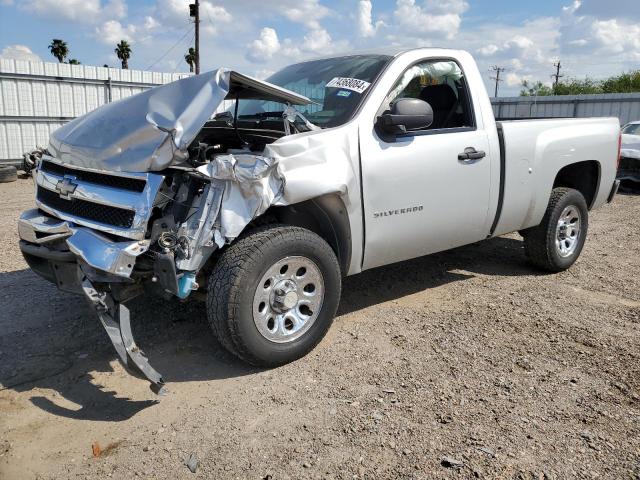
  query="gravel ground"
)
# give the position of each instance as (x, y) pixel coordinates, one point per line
(463, 364)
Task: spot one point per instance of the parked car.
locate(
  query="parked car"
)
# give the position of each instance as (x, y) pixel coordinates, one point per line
(629, 171)
(265, 207)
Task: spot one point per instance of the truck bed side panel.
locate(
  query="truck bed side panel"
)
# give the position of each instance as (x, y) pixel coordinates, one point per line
(536, 150)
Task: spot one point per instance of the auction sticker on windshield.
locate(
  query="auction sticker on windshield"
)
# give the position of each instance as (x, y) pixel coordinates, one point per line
(349, 83)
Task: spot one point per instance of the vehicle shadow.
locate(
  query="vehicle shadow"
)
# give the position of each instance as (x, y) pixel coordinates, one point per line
(499, 256)
(52, 344)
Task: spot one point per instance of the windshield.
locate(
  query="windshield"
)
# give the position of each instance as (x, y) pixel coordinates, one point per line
(633, 129)
(335, 85)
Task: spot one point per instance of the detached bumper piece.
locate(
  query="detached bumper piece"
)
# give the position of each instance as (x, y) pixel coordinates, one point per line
(115, 318)
(74, 258)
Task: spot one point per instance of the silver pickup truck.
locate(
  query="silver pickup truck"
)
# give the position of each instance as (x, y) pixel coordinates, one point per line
(332, 167)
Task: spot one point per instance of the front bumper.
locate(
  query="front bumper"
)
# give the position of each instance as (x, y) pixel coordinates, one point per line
(79, 260)
(51, 245)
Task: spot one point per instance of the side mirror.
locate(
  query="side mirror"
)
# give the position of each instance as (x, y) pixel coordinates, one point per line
(405, 115)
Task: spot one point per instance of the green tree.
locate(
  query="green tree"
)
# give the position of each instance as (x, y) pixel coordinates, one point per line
(190, 58)
(74, 61)
(574, 86)
(123, 51)
(59, 49)
(535, 89)
(623, 83)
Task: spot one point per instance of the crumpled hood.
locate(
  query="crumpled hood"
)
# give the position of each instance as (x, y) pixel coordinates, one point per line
(152, 130)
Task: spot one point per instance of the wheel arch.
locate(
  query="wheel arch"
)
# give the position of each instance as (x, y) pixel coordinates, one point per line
(583, 176)
(326, 216)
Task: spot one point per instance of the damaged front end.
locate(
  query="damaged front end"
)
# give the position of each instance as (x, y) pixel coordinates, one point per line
(131, 198)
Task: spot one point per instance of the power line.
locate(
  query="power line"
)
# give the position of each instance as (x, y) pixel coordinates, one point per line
(170, 49)
(497, 78)
(180, 57)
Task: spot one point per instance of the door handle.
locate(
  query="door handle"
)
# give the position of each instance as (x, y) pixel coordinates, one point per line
(471, 153)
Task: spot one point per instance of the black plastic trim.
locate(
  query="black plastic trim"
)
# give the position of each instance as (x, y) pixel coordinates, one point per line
(97, 178)
(503, 165)
(614, 190)
(46, 253)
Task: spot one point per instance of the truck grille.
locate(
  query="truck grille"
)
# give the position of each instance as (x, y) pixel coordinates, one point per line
(118, 217)
(114, 181)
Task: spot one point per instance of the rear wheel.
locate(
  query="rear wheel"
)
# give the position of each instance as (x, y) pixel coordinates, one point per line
(556, 243)
(273, 294)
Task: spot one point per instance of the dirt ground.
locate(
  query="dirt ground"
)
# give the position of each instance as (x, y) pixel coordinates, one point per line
(459, 365)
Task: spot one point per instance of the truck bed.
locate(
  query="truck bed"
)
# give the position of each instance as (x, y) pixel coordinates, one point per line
(532, 153)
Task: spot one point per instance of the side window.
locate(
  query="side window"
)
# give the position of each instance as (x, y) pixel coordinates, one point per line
(442, 85)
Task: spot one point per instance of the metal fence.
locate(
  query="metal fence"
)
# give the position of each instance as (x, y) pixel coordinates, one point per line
(625, 106)
(38, 97)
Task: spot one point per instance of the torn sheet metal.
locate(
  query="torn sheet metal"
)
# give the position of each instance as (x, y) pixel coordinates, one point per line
(251, 184)
(103, 254)
(152, 130)
(291, 170)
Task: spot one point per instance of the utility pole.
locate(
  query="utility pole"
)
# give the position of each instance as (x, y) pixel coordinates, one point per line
(497, 78)
(194, 11)
(557, 76)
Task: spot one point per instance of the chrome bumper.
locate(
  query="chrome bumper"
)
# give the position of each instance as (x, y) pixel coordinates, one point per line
(96, 250)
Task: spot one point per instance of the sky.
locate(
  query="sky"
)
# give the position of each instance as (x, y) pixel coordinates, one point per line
(596, 38)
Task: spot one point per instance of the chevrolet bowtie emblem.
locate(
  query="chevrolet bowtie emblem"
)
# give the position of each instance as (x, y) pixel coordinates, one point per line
(66, 187)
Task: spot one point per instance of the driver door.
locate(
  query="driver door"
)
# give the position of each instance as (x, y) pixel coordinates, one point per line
(419, 197)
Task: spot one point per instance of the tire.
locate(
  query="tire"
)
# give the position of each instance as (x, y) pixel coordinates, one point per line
(237, 286)
(8, 174)
(553, 246)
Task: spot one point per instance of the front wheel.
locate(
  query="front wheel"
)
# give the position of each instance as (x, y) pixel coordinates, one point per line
(556, 243)
(273, 294)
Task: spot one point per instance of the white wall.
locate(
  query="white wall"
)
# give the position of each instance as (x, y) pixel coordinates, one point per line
(38, 97)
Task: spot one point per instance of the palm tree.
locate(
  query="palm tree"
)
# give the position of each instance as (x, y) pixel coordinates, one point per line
(190, 58)
(123, 51)
(74, 61)
(59, 49)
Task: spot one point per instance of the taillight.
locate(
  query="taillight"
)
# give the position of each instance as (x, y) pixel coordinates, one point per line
(619, 147)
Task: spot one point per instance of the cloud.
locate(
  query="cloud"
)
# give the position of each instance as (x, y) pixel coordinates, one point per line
(19, 52)
(211, 16)
(306, 12)
(82, 11)
(317, 41)
(616, 37)
(438, 18)
(607, 9)
(263, 48)
(112, 31)
(366, 27)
